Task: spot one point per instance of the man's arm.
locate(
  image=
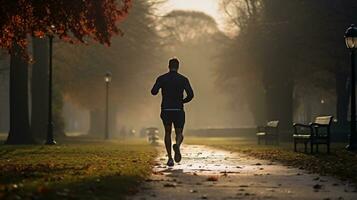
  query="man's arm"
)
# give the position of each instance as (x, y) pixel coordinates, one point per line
(189, 92)
(155, 89)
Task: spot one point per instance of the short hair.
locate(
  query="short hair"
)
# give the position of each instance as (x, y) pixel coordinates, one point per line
(174, 63)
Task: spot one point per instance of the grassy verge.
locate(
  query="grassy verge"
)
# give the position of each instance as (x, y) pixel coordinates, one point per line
(340, 163)
(86, 170)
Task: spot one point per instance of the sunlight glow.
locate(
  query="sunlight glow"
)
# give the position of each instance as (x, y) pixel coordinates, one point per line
(210, 7)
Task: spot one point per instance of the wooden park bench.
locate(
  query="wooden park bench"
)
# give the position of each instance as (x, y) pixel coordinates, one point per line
(314, 133)
(269, 132)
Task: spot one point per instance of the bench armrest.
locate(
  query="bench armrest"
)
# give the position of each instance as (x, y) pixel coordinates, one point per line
(319, 125)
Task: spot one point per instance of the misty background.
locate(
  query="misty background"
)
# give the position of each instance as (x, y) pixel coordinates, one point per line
(249, 61)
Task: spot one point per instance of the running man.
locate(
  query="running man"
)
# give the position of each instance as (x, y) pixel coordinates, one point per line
(173, 85)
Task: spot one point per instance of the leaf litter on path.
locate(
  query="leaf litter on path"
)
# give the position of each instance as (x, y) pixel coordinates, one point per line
(247, 178)
(212, 178)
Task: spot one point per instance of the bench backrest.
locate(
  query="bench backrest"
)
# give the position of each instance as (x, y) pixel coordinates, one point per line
(323, 120)
(273, 124)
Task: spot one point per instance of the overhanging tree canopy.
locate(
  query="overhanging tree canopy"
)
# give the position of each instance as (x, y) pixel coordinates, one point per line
(73, 21)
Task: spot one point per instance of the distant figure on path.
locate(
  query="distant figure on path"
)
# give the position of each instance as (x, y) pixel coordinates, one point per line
(173, 85)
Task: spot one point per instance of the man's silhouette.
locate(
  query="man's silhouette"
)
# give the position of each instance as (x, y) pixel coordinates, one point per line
(173, 85)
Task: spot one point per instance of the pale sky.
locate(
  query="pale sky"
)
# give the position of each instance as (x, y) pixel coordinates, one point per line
(210, 7)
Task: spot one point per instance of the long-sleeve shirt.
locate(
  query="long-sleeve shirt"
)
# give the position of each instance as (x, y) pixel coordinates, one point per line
(173, 85)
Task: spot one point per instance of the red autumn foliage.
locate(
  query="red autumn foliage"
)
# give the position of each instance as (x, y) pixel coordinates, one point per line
(72, 21)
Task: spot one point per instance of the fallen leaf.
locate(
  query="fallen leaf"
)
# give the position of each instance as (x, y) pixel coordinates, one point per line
(169, 185)
(317, 187)
(212, 178)
(42, 189)
(158, 173)
(243, 186)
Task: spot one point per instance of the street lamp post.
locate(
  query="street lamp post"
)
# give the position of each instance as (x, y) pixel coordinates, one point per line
(351, 43)
(107, 79)
(50, 138)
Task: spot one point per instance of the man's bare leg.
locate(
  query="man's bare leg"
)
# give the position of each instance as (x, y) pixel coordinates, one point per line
(179, 136)
(168, 143)
(176, 147)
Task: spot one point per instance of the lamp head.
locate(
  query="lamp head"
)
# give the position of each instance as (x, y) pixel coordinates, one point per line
(108, 77)
(351, 37)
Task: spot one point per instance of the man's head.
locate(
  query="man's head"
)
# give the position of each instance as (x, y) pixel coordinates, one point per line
(174, 64)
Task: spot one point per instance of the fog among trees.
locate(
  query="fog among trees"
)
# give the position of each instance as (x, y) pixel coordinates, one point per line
(277, 65)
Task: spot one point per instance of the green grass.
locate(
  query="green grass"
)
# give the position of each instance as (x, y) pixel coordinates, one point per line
(86, 170)
(339, 163)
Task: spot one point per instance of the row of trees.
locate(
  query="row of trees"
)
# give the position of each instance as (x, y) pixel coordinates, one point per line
(194, 37)
(278, 58)
(281, 55)
(75, 22)
(131, 59)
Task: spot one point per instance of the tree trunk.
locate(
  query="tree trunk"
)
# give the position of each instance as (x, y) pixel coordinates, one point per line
(112, 123)
(257, 105)
(57, 112)
(19, 108)
(343, 98)
(279, 104)
(96, 123)
(308, 108)
(286, 106)
(39, 88)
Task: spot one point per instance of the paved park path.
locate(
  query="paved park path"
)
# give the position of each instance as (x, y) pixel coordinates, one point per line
(207, 173)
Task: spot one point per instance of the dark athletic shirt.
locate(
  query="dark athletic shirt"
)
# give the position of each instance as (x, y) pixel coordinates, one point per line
(172, 86)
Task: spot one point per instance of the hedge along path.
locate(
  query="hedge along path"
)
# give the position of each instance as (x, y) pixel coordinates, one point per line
(209, 173)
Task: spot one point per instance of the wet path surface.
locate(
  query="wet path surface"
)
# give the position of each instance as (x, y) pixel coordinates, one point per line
(207, 173)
